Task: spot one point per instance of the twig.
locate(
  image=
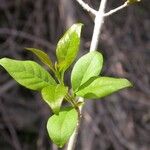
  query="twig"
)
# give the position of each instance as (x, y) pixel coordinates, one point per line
(87, 7)
(73, 138)
(99, 20)
(113, 11)
(72, 141)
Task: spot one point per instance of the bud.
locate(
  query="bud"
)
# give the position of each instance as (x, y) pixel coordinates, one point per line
(132, 1)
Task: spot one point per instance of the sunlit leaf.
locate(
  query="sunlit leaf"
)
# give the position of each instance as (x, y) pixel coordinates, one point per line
(68, 47)
(98, 87)
(86, 67)
(28, 73)
(54, 95)
(60, 127)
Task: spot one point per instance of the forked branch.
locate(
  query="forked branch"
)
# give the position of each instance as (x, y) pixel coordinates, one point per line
(87, 7)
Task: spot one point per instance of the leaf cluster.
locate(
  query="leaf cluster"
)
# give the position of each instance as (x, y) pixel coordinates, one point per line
(86, 81)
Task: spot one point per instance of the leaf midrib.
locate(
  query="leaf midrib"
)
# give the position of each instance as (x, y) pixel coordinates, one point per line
(62, 127)
(33, 75)
(85, 73)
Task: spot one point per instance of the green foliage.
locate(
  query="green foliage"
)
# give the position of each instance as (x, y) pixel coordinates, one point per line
(42, 56)
(86, 67)
(68, 47)
(28, 73)
(99, 87)
(54, 95)
(85, 81)
(60, 127)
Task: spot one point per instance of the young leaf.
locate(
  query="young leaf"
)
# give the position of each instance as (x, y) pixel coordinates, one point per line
(60, 127)
(101, 86)
(132, 1)
(28, 73)
(42, 56)
(86, 67)
(68, 46)
(54, 95)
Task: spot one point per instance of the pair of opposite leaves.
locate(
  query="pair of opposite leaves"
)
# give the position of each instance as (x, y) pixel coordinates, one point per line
(84, 78)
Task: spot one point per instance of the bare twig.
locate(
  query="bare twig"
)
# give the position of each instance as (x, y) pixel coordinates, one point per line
(72, 141)
(99, 20)
(87, 7)
(73, 138)
(113, 11)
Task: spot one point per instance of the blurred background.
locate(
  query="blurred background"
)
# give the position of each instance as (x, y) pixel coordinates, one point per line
(122, 120)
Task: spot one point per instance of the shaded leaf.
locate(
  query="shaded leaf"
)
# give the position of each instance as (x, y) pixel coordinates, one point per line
(28, 73)
(99, 87)
(60, 127)
(54, 95)
(68, 47)
(42, 56)
(86, 67)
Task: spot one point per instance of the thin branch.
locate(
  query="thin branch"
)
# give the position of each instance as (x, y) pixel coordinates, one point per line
(113, 11)
(73, 138)
(87, 7)
(99, 20)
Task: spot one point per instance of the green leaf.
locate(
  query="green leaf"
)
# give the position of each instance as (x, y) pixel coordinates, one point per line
(60, 127)
(68, 47)
(28, 73)
(86, 67)
(99, 87)
(42, 56)
(132, 1)
(54, 95)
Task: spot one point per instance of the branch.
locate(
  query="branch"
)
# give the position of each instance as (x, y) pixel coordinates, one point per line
(99, 20)
(113, 11)
(87, 7)
(73, 138)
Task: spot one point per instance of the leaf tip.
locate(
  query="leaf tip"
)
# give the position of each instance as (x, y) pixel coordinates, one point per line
(77, 28)
(3, 60)
(128, 83)
(28, 48)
